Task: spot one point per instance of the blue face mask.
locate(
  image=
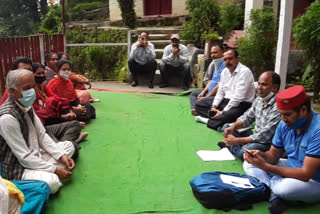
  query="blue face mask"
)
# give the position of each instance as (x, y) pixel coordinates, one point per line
(28, 98)
(298, 124)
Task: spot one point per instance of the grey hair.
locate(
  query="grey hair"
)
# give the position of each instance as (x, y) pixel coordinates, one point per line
(13, 77)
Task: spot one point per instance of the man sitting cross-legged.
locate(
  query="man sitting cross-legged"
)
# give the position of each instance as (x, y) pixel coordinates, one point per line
(27, 152)
(201, 99)
(298, 134)
(235, 93)
(142, 59)
(263, 112)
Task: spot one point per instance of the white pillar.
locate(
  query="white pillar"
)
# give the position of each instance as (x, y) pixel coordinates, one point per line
(284, 37)
(251, 5)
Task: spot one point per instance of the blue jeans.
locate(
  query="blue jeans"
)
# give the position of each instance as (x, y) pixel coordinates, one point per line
(238, 150)
(289, 189)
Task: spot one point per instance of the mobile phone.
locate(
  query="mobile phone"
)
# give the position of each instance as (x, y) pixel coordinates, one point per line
(212, 113)
(249, 152)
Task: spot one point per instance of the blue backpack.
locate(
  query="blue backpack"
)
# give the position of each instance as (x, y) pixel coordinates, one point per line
(213, 193)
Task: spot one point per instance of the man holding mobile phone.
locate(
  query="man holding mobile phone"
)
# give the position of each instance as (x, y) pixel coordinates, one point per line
(142, 59)
(263, 112)
(298, 134)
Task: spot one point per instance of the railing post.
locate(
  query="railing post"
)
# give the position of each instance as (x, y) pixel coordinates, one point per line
(41, 45)
(129, 43)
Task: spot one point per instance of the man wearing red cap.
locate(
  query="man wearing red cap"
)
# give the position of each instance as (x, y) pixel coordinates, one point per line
(298, 134)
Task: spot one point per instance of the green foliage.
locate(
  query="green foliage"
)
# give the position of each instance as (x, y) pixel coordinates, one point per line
(98, 62)
(52, 22)
(207, 16)
(19, 17)
(128, 13)
(306, 32)
(211, 35)
(231, 16)
(257, 47)
(72, 3)
(88, 6)
(307, 78)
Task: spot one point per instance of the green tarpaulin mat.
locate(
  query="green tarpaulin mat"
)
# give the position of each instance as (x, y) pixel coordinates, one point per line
(139, 158)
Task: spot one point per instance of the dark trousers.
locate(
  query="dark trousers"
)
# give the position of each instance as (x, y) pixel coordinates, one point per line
(203, 105)
(136, 68)
(228, 116)
(184, 71)
(69, 130)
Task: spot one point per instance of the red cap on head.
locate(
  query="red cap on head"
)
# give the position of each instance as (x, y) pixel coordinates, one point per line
(291, 97)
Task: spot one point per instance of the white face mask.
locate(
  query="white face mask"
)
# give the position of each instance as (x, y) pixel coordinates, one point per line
(266, 98)
(65, 74)
(28, 98)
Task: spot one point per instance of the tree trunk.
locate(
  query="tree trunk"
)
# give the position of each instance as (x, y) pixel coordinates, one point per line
(43, 7)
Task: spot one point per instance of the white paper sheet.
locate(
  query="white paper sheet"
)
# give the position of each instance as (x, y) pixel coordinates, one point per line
(236, 181)
(221, 155)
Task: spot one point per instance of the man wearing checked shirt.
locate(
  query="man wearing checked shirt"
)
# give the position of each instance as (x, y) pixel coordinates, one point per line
(263, 112)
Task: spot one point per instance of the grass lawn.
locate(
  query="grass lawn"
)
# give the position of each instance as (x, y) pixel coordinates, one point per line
(139, 158)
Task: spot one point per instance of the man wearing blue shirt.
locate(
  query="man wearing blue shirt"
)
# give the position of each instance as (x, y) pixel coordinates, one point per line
(202, 100)
(298, 134)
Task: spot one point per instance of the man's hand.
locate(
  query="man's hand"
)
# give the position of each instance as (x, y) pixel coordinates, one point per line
(70, 165)
(230, 140)
(201, 95)
(213, 108)
(175, 51)
(63, 173)
(256, 159)
(218, 113)
(228, 131)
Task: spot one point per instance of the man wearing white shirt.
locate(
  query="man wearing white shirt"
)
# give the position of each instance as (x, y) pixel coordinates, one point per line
(27, 151)
(142, 59)
(235, 94)
(175, 61)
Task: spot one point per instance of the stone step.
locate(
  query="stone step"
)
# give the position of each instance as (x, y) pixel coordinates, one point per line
(159, 30)
(163, 36)
(159, 53)
(161, 44)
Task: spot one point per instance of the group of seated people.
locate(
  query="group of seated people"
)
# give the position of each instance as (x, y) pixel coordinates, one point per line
(283, 151)
(175, 61)
(41, 119)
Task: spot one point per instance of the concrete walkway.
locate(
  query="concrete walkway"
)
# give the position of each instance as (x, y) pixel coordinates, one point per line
(121, 86)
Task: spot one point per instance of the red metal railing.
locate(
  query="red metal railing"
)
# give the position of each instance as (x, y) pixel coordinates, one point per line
(33, 47)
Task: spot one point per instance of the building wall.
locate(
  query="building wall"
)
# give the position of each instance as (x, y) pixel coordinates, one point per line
(178, 9)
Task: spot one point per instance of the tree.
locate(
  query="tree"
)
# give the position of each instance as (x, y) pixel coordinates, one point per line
(19, 17)
(128, 13)
(256, 49)
(306, 32)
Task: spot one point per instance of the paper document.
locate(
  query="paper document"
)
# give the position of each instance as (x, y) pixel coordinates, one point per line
(223, 154)
(236, 181)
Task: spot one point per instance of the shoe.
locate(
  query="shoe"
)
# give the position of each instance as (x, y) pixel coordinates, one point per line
(277, 206)
(163, 85)
(185, 88)
(150, 85)
(222, 145)
(194, 112)
(134, 84)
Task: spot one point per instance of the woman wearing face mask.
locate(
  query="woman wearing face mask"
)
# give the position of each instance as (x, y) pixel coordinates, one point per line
(55, 112)
(63, 87)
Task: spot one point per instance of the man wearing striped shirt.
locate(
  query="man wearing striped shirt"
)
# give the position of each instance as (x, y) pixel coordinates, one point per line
(263, 112)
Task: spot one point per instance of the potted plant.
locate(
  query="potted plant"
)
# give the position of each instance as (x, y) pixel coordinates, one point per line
(210, 37)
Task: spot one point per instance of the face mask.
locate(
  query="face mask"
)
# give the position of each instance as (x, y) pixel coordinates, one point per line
(298, 124)
(65, 74)
(39, 79)
(28, 98)
(266, 98)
